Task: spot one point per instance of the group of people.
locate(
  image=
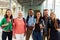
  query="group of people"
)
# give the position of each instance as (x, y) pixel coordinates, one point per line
(36, 25)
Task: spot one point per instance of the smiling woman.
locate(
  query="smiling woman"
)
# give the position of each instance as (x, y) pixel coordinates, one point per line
(6, 25)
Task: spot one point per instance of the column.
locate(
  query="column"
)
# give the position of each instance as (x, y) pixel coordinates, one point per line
(10, 3)
(54, 5)
(46, 4)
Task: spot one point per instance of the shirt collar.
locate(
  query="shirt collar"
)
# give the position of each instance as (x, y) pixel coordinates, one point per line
(31, 16)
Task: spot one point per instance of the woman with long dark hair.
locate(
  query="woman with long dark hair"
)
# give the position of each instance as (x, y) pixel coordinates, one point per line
(6, 25)
(38, 27)
(53, 26)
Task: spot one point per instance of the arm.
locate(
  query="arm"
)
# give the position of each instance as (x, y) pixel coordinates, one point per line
(25, 29)
(34, 23)
(24, 26)
(27, 20)
(49, 33)
(58, 29)
(42, 25)
(2, 23)
(14, 27)
(59, 23)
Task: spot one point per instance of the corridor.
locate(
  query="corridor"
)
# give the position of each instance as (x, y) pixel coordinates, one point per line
(25, 5)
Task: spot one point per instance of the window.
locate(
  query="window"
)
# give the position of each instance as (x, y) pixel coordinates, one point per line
(57, 8)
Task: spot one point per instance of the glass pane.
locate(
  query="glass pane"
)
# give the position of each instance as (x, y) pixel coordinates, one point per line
(57, 8)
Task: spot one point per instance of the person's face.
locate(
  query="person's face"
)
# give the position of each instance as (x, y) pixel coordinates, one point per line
(46, 13)
(9, 13)
(52, 16)
(19, 14)
(38, 14)
(30, 12)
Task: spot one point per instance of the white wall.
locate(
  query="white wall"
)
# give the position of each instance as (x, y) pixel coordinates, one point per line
(57, 8)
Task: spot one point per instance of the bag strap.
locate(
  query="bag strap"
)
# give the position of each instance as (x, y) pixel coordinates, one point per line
(24, 20)
(27, 19)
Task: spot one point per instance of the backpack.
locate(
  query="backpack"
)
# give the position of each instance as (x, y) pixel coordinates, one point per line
(24, 20)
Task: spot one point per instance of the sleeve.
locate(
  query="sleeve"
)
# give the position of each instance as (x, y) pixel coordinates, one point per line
(24, 25)
(42, 22)
(14, 21)
(2, 22)
(58, 22)
(34, 21)
(27, 19)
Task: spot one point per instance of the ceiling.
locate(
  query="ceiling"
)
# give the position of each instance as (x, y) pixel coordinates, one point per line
(30, 2)
(4, 3)
(5, 0)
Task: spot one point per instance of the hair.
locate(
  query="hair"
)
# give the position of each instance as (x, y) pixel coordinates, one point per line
(45, 9)
(29, 10)
(40, 16)
(20, 12)
(55, 21)
(52, 13)
(6, 14)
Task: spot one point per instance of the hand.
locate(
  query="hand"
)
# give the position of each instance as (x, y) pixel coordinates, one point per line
(58, 29)
(41, 26)
(33, 26)
(14, 37)
(24, 34)
(5, 24)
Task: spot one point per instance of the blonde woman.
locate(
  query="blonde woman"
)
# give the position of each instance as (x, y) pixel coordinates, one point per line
(19, 27)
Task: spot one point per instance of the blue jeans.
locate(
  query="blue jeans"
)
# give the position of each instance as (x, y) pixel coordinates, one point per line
(5, 34)
(37, 35)
(41, 35)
